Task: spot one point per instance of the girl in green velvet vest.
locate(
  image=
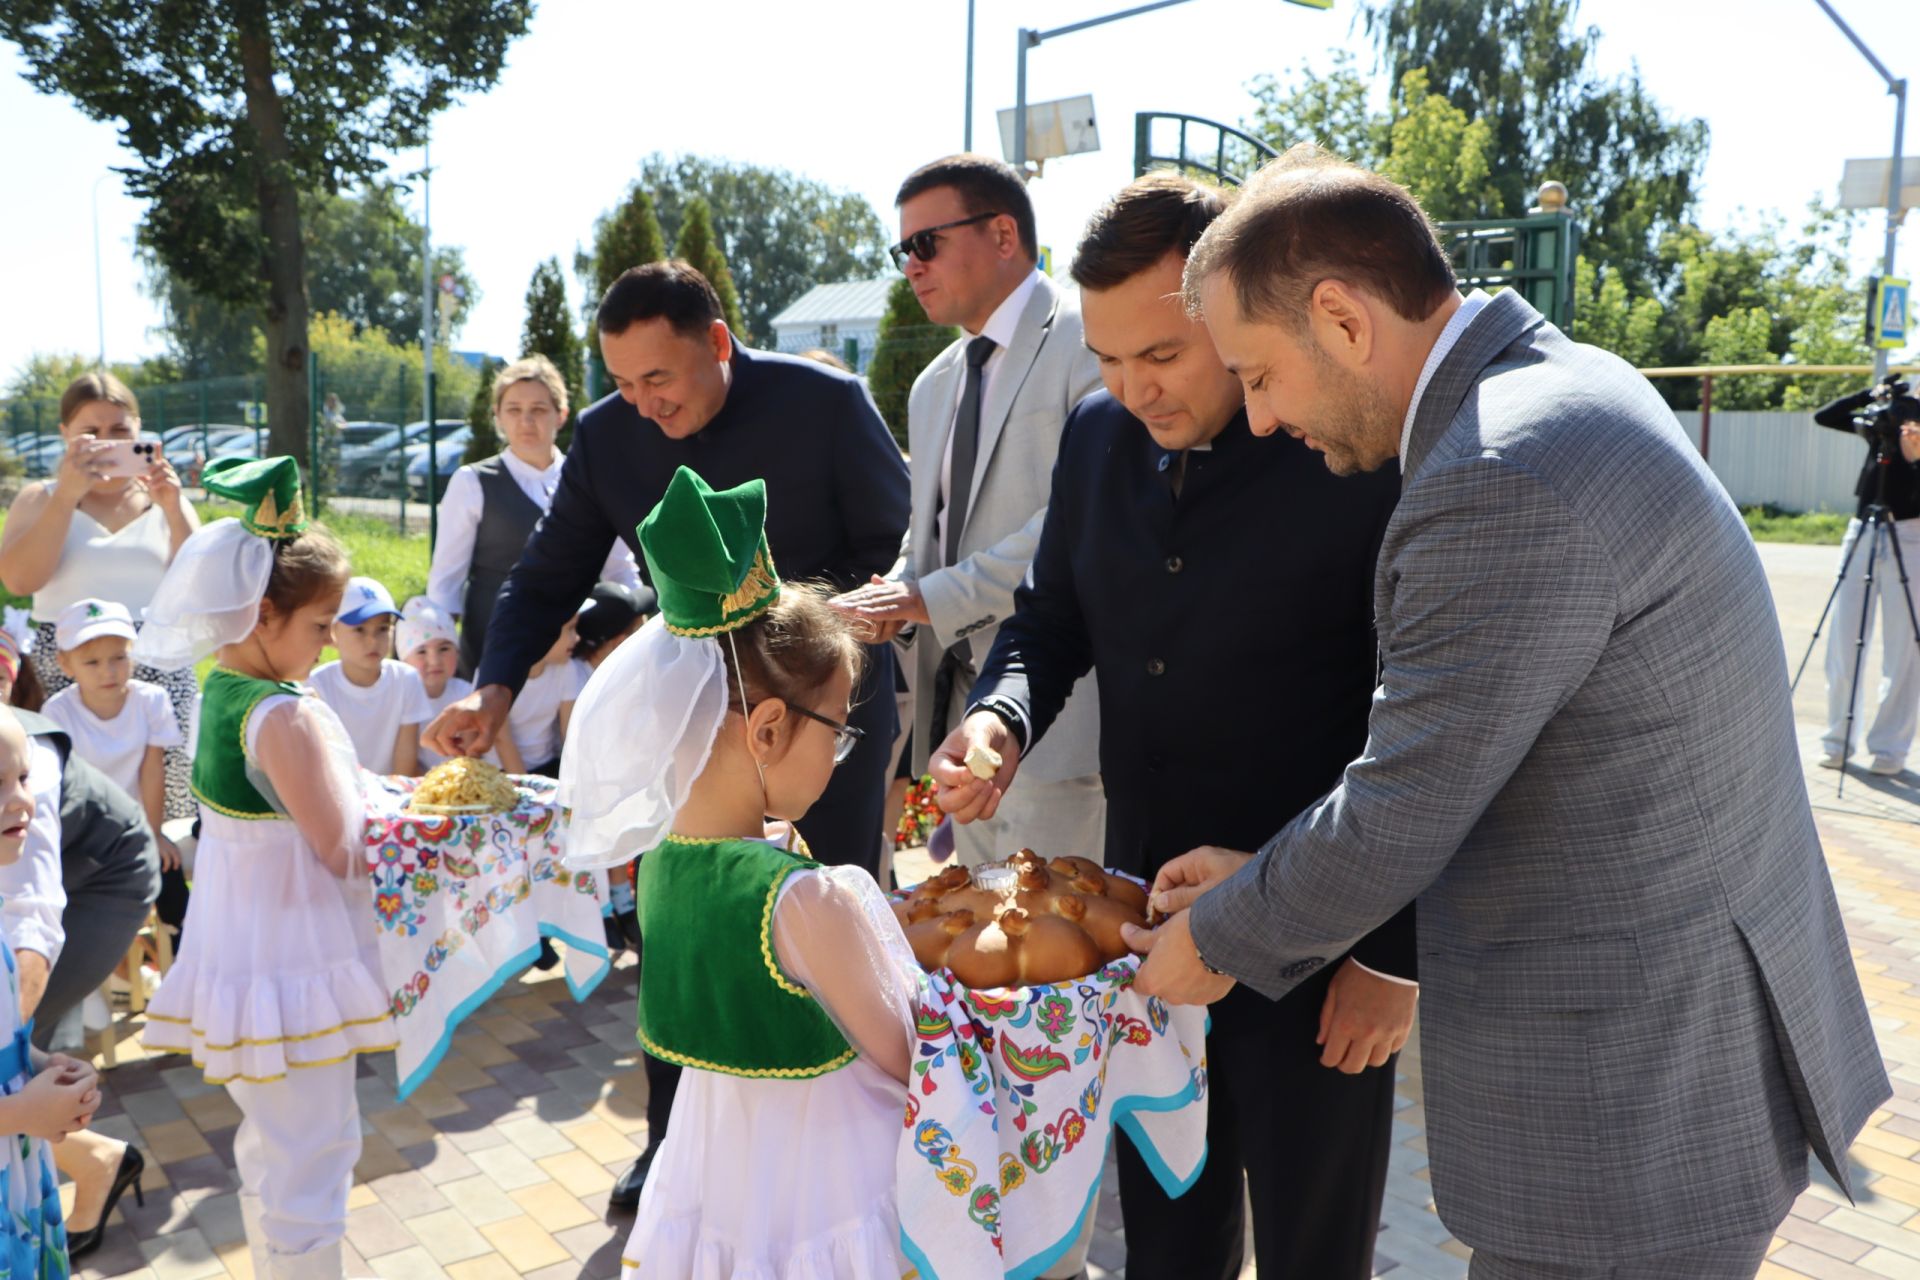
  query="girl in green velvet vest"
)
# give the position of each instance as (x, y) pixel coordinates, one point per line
(273, 992)
(782, 988)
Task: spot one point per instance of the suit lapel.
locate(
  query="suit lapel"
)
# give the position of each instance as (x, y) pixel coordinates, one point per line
(1036, 322)
(1505, 317)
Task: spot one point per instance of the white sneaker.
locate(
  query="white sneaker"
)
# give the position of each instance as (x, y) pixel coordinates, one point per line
(1833, 760)
(1888, 766)
(95, 1013)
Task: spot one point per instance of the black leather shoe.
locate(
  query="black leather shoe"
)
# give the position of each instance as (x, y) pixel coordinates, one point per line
(548, 956)
(132, 1165)
(626, 1192)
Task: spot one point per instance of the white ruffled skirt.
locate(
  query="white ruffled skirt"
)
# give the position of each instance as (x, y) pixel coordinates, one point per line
(278, 968)
(774, 1180)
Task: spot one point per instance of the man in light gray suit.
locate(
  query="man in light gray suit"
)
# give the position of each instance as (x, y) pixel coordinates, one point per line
(983, 425)
(1639, 1007)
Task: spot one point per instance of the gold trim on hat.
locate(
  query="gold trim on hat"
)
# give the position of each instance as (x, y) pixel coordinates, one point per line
(267, 518)
(757, 583)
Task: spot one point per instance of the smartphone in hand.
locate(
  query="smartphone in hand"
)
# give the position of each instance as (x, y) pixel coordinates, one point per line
(125, 458)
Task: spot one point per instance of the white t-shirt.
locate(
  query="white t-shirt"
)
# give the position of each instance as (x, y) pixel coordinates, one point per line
(534, 721)
(117, 747)
(456, 689)
(374, 715)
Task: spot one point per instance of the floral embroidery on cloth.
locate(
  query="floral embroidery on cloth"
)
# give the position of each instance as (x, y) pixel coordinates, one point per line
(1011, 1107)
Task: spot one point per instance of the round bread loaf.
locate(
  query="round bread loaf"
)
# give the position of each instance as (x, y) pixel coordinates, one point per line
(1052, 922)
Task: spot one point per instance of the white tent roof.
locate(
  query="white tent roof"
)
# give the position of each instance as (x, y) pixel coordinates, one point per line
(849, 303)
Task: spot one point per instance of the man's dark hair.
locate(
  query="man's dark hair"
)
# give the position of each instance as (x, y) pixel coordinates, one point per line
(984, 185)
(673, 291)
(1309, 216)
(1151, 217)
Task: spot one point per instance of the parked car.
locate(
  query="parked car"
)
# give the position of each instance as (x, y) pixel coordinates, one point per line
(451, 451)
(394, 465)
(360, 463)
(183, 446)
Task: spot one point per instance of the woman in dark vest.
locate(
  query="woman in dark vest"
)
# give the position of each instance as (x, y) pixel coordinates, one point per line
(491, 507)
(72, 914)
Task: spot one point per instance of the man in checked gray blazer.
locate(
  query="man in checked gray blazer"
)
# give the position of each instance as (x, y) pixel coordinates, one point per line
(1640, 1009)
(983, 425)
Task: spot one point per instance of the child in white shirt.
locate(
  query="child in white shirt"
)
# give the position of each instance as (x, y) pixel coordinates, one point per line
(381, 702)
(538, 720)
(121, 726)
(429, 643)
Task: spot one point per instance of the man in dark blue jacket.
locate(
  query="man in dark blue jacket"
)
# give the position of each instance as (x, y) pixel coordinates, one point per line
(688, 394)
(1219, 585)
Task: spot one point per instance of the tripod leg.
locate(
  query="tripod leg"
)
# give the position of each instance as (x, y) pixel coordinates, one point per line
(1860, 646)
(1820, 626)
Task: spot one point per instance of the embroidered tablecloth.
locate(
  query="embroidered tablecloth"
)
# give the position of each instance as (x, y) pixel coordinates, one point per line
(1011, 1107)
(460, 905)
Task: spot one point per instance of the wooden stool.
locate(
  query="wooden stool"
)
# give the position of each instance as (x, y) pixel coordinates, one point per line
(154, 939)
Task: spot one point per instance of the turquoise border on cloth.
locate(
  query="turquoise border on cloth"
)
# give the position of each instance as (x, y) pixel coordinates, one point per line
(507, 972)
(1122, 1113)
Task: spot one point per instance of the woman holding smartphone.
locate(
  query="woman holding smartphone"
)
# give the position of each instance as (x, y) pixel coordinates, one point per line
(105, 526)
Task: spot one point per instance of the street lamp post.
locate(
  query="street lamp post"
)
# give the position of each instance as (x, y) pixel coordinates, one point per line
(1898, 88)
(1028, 38)
(99, 289)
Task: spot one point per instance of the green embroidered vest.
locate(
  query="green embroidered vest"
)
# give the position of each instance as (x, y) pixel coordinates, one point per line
(712, 993)
(220, 759)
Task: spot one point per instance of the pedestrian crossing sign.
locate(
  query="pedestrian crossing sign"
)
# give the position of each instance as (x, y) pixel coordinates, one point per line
(1890, 315)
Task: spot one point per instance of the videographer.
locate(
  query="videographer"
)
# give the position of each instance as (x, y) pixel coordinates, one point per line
(1890, 420)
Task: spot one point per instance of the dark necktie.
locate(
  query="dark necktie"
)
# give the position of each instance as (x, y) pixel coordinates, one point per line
(966, 445)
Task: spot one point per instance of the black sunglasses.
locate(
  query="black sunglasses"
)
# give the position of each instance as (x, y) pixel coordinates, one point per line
(925, 245)
(845, 736)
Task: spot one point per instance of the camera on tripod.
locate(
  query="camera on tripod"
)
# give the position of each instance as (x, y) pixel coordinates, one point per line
(1890, 403)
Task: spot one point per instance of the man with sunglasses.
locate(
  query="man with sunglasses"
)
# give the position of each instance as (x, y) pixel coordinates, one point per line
(983, 423)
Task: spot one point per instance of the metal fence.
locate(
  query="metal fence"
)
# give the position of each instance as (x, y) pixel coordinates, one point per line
(366, 431)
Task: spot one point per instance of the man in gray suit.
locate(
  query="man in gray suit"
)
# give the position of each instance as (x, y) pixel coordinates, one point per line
(1639, 1007)
(983, 426)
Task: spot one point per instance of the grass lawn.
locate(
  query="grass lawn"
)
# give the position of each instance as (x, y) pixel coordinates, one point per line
(1771, 524)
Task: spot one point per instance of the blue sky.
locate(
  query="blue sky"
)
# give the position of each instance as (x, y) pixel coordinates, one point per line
(858, 92)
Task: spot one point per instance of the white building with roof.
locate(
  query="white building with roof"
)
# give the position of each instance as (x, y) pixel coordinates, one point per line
(841, 318)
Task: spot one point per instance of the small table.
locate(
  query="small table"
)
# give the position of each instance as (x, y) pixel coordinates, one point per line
(460, 904)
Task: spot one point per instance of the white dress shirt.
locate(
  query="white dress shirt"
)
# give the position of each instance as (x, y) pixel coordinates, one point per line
(33, 894)
(1457, 325)
(460, 509)
(1001, 326)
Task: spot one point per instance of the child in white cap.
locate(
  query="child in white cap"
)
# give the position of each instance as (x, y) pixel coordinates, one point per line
(430, 644)
(121, 726)
(381, 701)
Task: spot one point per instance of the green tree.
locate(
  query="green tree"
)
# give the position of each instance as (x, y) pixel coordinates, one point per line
(626, 236)
(233, 111)
(907, 343)
(378, 379)
(485, 440)
(780, 233)
(1439, 153)
(363, 263)
(696, 244)
(1529, 71)
(1606, 316)
(1330, 111)
(549, 332)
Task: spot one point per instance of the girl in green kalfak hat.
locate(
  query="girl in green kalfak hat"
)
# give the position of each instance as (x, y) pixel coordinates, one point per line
(782, 987)
(273, 992)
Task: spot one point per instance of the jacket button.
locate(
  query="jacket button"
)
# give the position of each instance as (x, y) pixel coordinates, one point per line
(1155, 667)
(1155, 764)
(1175, 564)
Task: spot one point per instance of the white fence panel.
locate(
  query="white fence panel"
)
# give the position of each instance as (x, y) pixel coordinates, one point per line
(1780, 458)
